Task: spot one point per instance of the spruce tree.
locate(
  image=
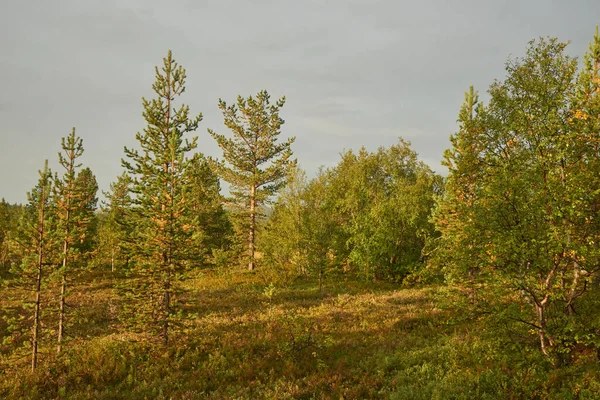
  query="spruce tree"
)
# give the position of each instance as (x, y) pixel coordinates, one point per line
(87, 190)
(115, 231)
(212, 228)
(160, 211)
(255, 163)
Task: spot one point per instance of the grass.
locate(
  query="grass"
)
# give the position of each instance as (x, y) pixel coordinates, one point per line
(250, 340)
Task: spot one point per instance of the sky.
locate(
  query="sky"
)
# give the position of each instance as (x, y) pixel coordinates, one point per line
(354, 72)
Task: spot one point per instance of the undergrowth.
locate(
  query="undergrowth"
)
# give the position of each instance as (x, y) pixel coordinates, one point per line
(245, 339)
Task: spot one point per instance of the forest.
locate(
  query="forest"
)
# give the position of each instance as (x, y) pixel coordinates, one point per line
(376, 278)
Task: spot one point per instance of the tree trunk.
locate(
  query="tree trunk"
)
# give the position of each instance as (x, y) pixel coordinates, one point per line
(166, 307)
(36, 313)
(112, 259)
(63, 290)
(167, 310)
(38, 287)
(61, 315)
(252, 227)
(321, 280)
(546, 341)
(63, 286)
(542, 329)
(570, 307)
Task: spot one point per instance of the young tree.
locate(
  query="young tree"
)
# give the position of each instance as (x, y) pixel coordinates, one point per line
(115, 229)
(75, 198)
(86, 188)
(34, 238)
(282, 237)
(454, 214)
(212, 230)
(255, 163)
(518, 198)
(160, 187)
(10, 215)
(382, 202)
(317, 223)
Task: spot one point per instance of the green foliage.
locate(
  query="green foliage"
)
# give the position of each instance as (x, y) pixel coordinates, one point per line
(283, 237)
(255, 164)
(10, 249)
(514, 230)
(213, 229)
(518, 218)
(370, 211)
(87, 188)
(75, 202)
(115, 228)
(364, 340)
(29, 277)
(7, 229)
(384, 200)
(160, 214)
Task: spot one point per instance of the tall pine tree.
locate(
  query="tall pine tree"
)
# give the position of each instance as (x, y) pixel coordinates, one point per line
(75, 198)
(160, 211)
(255, 163)
(35, 239)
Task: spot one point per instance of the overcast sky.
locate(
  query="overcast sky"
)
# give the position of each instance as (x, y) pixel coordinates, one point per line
(355, 72)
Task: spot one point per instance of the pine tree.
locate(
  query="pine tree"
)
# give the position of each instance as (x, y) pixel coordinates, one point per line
(255, 164)
(75, 198)
(37, 246)
(160, 212)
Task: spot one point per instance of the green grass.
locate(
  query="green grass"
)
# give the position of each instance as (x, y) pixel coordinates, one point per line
(356, 340)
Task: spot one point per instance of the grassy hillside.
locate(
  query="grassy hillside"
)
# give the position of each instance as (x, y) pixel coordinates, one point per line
(247, 339)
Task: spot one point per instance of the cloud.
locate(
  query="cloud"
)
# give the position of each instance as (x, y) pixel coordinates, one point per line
(354, 71)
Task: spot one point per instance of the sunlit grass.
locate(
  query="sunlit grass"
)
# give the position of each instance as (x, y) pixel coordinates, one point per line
(247, 339)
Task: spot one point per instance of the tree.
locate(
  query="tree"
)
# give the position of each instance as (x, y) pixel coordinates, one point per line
(371, 211)
(382, 202)
(160, 189)
(86, 188)
(212, 230)
(518, 202)
(4, 235)
(10, 215)
(255, 163)
(37, 247)
(454, 214)
(283, 236)
(75, 198)
(115, 229)
(316, 227)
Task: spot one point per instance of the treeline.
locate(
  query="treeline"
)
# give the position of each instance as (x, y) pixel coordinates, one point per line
(513, 227)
